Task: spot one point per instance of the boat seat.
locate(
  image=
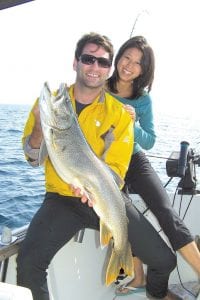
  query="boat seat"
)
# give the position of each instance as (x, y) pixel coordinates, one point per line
(13, 292)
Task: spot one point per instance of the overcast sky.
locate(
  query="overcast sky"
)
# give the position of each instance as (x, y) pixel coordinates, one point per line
(38, 40)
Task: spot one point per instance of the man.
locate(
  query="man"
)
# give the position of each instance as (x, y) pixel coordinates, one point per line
(98, 112)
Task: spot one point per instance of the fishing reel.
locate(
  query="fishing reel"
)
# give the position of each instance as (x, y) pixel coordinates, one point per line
(182, 164)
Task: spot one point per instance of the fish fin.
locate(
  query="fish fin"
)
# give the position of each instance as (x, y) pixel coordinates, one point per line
(124, 261)
(105, 234)
(119, 181)
(43, 153)
(127, 263)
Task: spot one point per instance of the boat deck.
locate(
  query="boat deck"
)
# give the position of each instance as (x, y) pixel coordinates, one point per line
(188, 292)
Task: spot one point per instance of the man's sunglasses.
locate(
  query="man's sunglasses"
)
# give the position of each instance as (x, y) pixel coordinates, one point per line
(88, 59)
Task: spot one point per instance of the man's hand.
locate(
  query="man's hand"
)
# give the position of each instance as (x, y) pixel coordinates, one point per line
(84, 199)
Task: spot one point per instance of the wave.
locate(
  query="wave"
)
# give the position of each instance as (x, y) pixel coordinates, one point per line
(22, 187)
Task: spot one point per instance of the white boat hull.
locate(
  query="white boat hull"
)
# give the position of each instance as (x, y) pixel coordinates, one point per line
(78, 269)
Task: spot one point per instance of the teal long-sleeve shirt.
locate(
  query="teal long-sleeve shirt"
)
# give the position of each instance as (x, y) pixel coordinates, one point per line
(145, 136)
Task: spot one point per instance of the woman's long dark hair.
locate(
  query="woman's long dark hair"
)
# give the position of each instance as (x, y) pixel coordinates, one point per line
(145, 80)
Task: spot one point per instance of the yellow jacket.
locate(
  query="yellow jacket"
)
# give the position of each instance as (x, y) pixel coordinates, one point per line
(108, 129)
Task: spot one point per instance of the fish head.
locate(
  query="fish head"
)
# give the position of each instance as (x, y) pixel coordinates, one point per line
(56, 110)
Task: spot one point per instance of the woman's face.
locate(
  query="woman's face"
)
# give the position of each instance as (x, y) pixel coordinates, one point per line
(129, 65)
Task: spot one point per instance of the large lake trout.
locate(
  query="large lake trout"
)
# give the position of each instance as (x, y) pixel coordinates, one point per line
(76, 164)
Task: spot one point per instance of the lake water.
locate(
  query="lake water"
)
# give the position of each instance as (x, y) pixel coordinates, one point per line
(22, 187)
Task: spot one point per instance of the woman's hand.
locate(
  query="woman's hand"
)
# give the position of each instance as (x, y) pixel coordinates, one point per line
(131, 110)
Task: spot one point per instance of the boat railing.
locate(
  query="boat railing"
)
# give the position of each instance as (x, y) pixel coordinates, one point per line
(12, 248)
(6, 251)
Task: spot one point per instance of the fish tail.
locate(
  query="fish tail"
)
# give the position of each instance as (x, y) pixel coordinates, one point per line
(128, 262)
(117, 262)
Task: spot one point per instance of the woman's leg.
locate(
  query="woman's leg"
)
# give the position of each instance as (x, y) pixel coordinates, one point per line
(143, 179)
(191, 254)
(138, 281)
(147, 244)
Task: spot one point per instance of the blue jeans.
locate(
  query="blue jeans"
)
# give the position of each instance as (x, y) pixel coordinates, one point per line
(60, 218)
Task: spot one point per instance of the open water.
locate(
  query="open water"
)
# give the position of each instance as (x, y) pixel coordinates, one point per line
(22, 187)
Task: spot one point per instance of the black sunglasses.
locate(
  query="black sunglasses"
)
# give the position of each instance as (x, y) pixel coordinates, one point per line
(88, 59)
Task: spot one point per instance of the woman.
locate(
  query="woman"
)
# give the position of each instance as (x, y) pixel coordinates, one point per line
(131, 83)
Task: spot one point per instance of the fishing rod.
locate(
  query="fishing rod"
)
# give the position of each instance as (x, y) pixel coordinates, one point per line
(136, 20)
